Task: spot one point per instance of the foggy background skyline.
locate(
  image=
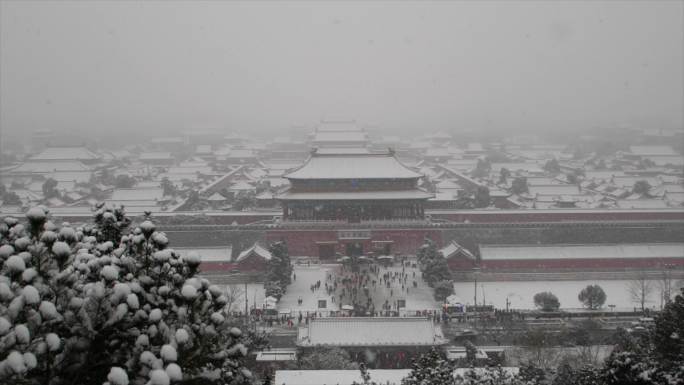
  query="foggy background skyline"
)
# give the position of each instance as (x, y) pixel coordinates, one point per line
(259, 67)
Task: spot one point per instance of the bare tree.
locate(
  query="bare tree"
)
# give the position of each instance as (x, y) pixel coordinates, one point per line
(665, 286)
(640, 289)
(234, 293)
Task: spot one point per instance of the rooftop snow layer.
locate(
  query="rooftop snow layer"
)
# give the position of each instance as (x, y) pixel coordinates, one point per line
(255, 249)
(340, 136)
(66, 153)
(209, 254)
(352, 166)
(648, 250)
(652, 150)
(339, 377)
(356, 195)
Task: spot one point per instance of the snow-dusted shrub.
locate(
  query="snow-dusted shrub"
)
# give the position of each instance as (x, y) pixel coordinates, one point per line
(104, 303)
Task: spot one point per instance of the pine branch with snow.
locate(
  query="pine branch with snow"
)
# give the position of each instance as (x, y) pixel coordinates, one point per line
(90, 305)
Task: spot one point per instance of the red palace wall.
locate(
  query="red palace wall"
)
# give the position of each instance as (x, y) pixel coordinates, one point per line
(472, 216)
(584, 263)
(302, 242)
(531, 216)
(461, 263)
(217, 266)
(251, 264)
(306, 242)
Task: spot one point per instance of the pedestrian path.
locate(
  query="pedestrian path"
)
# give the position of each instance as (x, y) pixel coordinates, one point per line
(300, 288)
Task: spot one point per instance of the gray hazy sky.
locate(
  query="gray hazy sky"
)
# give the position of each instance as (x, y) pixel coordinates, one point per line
(263, 66)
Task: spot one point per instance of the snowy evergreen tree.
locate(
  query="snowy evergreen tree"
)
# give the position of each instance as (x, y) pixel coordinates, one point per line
(430, 368)
(592, 296)
(656, 358)
(668, 336)
(546, 301)
(325, 359)
(433, 264)
(278, 270)
(519, 185)
(77, 307)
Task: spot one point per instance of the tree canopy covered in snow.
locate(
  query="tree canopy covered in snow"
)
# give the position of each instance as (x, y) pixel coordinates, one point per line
(278, 270)
(435, 269)
(105, 303)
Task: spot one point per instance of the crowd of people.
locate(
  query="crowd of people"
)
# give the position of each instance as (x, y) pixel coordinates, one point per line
(372, 289)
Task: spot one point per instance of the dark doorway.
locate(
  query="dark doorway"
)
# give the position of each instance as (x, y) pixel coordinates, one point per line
(354, 249)
(326, 251)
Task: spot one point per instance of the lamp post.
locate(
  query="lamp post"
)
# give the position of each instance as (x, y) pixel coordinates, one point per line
(476, 272)
(246, 308)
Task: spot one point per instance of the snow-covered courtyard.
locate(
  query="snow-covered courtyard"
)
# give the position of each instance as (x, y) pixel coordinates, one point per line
(301, 288)
(417, 298)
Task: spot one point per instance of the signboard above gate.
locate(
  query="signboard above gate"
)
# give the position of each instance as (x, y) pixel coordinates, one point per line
(354, 234)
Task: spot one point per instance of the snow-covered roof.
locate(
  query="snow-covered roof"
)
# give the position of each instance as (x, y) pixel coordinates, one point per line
(27, 194)
(256, 249)
(475, 147)
(155, 156)
(342, 150)
(609, 251)
(133, 194)
(216, 197)
(378, 376)
(453, 248)
(629, 181)
(676, 160)
(558, 189)
(542, 181)
(277, 182)
(352, 166)
(339, 137)
(277, 354)
(652, 150)
(378, 331)
(338, 125)
(641, 204)
(265, 195)
(438, 152)
(675, 197)
(241, 153)
(71, 176)
(65, 153)
(444, 196)
(241, 186)
(529, 167)
(167, 139)
(45, 166)
(356, 195)
(208, 254)
(510, 370)
(339, 377)
(203, 149)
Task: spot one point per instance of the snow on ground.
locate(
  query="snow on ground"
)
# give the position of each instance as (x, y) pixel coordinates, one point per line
(301, 287)
(255, 294)
(521, 293)
(419, 298)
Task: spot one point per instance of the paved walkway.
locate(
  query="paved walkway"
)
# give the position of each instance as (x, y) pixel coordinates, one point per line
(418, 297)
(301, 288)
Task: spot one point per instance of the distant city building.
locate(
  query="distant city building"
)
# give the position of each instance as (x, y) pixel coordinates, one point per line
(339, 134)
